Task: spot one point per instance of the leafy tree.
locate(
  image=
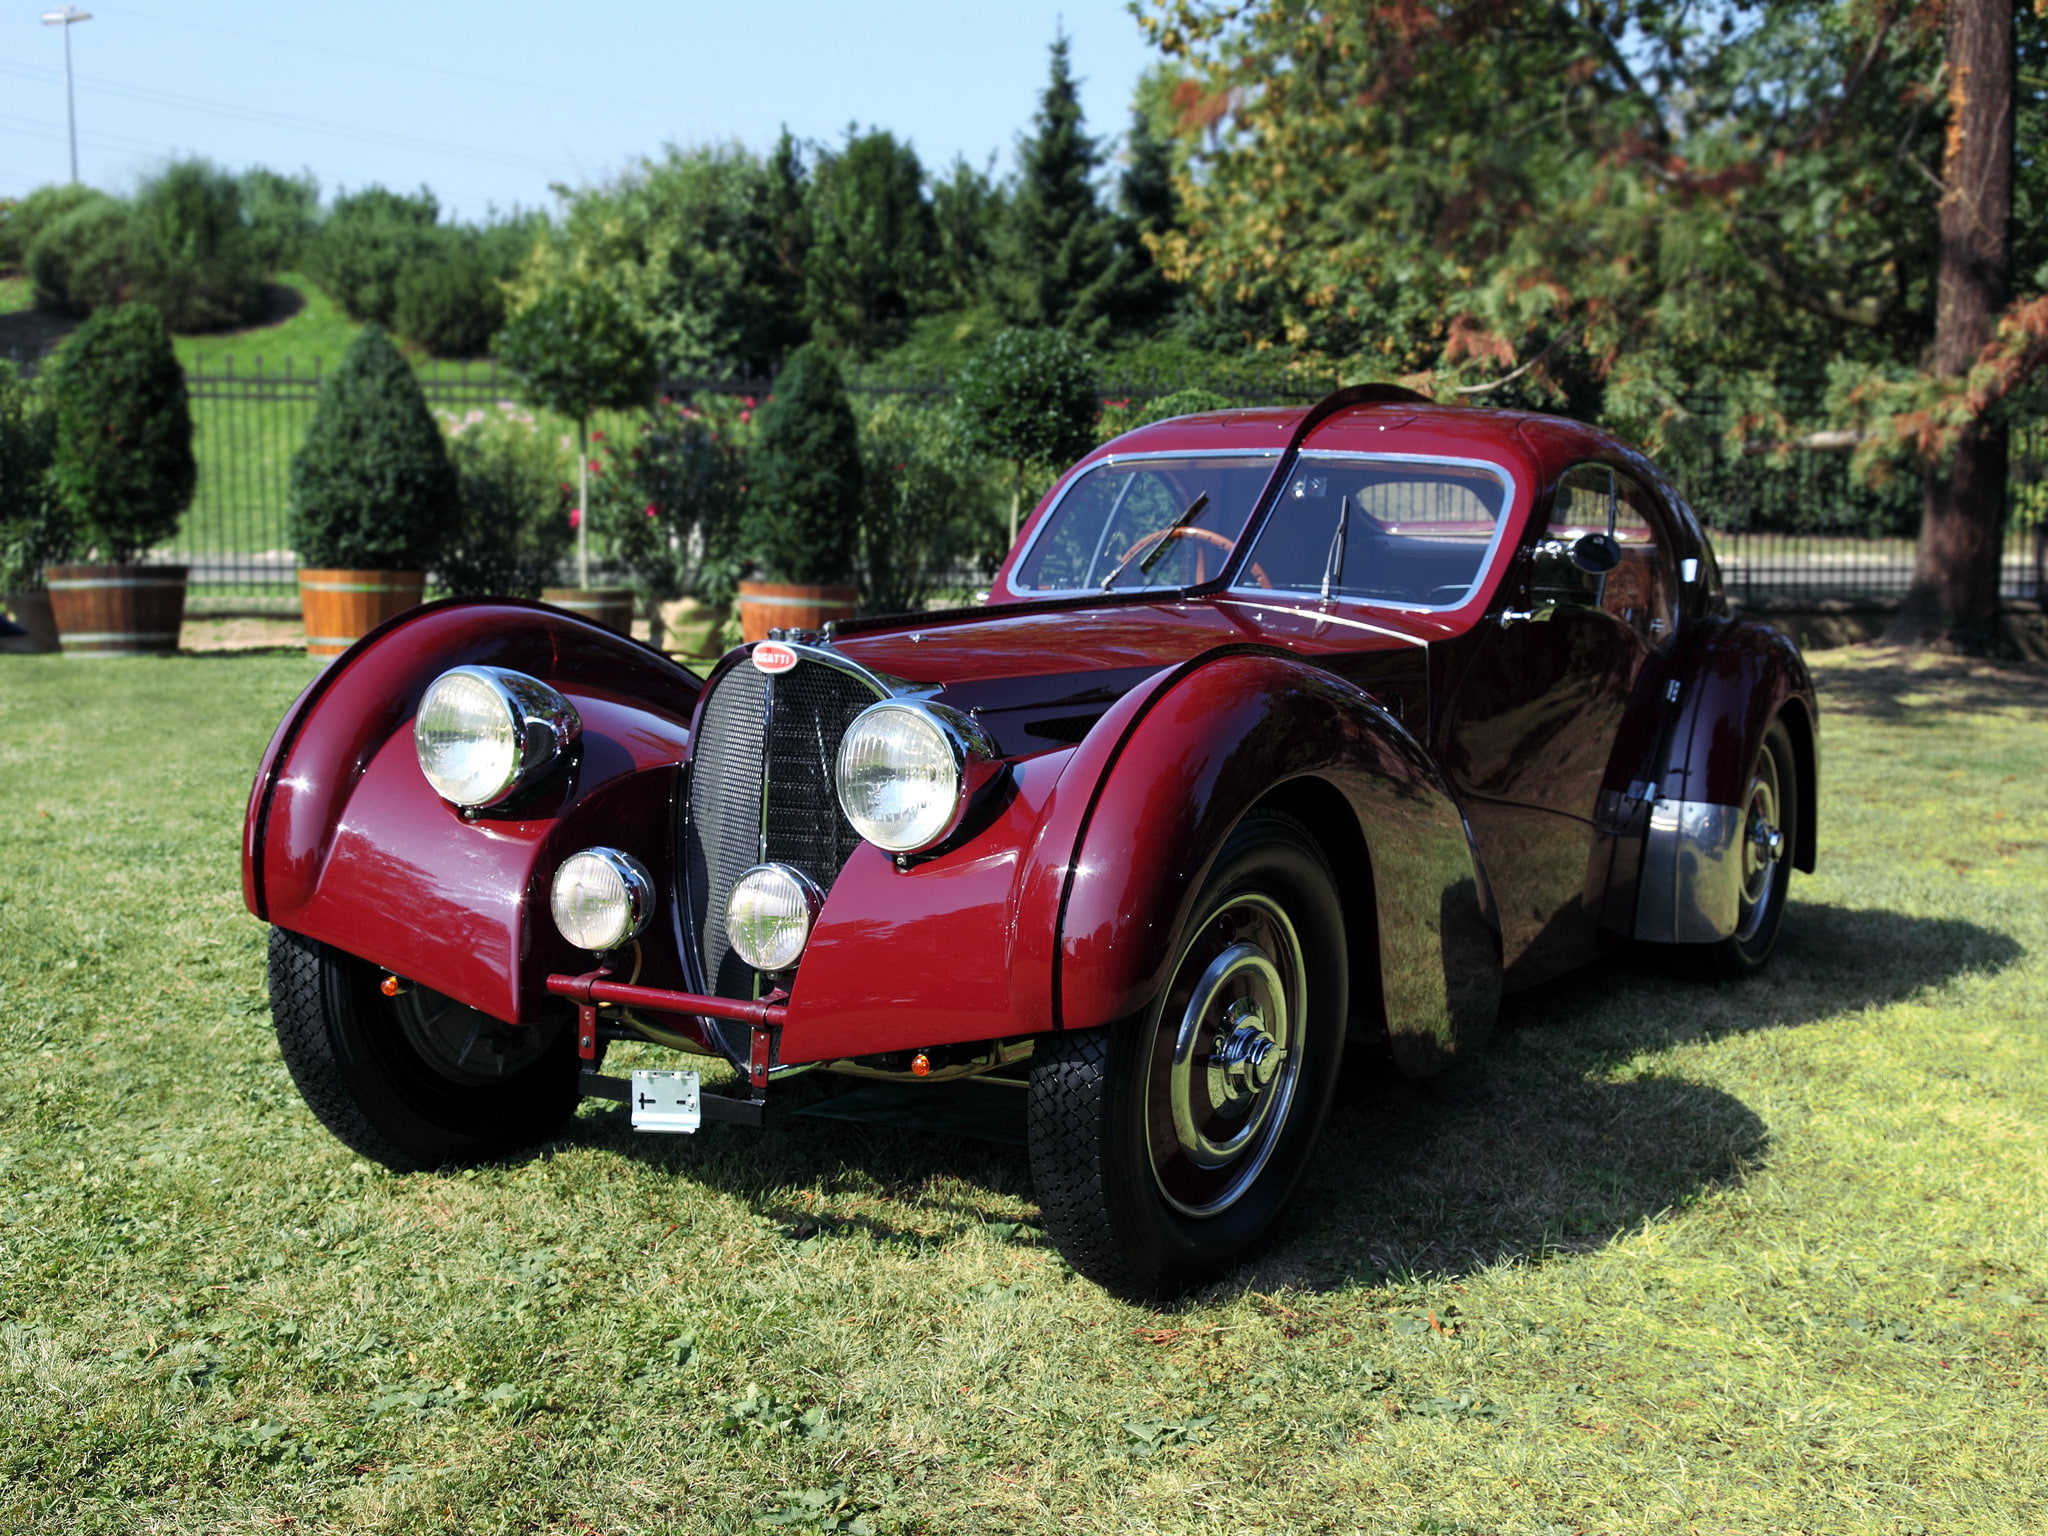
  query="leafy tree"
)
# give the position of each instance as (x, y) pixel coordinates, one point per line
(371, 488)
(369, 239)
(123, 469)
(967, 210)
(450, 302)
(804, 497)
(874, 246)
(189, 250)
(928, 506)
(1028, 397)
(21, 221)
(283, 214)
(35, 531)
(577, 350)
(78, 260)
(1057, 245)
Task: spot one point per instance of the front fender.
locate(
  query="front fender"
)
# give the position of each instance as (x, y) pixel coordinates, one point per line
(346, 842)
(1244, 729)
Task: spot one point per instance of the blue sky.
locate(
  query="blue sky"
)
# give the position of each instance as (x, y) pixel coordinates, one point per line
(489, 103)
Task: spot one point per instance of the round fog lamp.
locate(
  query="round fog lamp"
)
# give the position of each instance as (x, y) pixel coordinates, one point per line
(602, 898)
(768, 916)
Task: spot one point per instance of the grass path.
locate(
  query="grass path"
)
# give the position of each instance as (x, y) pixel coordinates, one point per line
(1671, 1257)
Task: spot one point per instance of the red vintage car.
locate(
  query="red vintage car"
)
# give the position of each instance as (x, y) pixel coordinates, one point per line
(1281, 731)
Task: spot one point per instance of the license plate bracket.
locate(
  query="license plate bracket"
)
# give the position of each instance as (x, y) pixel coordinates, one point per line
(666, 1101)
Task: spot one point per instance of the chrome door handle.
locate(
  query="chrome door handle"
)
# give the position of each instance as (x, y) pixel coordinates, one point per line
(1540, 614)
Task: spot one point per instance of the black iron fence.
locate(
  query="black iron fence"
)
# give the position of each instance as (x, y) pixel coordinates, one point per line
(1802, 527)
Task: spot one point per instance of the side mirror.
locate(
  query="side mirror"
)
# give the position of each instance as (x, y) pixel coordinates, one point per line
(1596, 553)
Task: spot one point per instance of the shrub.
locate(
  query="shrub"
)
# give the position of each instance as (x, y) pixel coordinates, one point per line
(34, 529)
(21, 221)
(450, 302)
(929, 507)
(79, 260)
(370, 238)
(804, 505)
(1029, 397)
(123, 466)
(372, 488)
(668, 506)
(189, 251)
(512, 530)
(283, 213)
(576, 349)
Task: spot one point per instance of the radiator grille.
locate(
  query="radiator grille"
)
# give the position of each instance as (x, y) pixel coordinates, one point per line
(789, 725)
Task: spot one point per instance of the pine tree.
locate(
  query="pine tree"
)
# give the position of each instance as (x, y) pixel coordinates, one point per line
(1137, 293)
(1059, 246)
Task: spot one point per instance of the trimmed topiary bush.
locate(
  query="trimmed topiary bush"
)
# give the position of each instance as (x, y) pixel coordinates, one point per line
(804, 500)
(577, 349)
(34, 529)
(372, 489)
(123, 468)
(1029, 397)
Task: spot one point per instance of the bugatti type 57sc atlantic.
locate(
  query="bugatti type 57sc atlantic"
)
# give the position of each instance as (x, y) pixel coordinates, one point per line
(1280, 731)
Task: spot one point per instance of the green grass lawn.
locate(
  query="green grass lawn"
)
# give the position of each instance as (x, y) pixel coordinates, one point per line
(16, 293)
(1671, 1257)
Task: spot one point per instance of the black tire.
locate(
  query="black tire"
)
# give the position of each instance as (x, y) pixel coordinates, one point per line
(1159, 1160)
(417, 1081)
(1770, 825)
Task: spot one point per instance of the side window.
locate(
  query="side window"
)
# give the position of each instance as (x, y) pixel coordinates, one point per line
(1584, 504)
(1642, 591)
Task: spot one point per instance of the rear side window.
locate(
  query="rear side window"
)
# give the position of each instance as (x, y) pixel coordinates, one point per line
(1406, 533)
(1117, 524)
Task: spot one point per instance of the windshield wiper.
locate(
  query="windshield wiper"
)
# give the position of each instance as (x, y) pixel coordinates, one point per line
(1333, 566)
(1163, 538)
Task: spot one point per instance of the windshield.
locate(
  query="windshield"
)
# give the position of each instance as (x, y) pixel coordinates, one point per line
(1406, 533)
(1138, 521)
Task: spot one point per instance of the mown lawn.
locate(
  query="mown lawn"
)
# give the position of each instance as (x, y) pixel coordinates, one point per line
(1671, 1257)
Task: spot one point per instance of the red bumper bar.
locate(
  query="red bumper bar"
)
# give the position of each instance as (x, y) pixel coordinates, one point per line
(597, 987)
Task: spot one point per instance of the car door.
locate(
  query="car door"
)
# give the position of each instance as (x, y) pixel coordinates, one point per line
(1529, 731)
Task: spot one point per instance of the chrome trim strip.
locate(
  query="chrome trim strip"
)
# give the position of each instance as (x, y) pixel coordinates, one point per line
(1486, 561)
(1320, 617)
(1036, 593)
(1690, 888)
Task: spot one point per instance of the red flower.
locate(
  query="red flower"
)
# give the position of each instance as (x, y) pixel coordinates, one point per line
(650, 510)
(597, 437)
(575, 517)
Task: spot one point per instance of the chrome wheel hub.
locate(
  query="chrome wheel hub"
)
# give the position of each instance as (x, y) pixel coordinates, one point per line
(1763, 845)
(1225, 1056)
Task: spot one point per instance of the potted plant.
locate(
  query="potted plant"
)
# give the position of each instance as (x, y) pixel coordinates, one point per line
(804, 501)
(667, 507)
(576, 350)
(122, 472)
(34, 531)
(372, 496)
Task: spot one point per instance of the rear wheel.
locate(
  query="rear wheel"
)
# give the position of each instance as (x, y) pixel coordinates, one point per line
(1163, 1147)
(417, 1080)
(1770, 819)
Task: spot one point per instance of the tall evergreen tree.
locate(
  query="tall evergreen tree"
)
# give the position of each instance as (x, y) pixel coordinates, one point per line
(967, 210)
(1058, 246)
(874, 246)
(1138, 293)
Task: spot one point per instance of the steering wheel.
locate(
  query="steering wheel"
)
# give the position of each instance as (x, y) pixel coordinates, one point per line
(1207, 536)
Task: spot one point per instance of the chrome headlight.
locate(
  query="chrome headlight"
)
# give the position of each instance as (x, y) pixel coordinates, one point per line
(602, 898)
(482, 732)
(905, 770)
(768, 916)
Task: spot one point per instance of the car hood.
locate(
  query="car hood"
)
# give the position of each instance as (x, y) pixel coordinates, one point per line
(1037, 678)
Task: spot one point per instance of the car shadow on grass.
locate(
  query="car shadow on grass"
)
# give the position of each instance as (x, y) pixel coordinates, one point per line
(1561, 1135)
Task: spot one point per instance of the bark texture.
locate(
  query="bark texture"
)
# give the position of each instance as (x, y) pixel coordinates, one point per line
(1954, 594)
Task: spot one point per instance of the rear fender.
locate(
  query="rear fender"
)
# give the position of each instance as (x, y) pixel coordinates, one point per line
(346, 842)
(1246, 729)
(1744, 676)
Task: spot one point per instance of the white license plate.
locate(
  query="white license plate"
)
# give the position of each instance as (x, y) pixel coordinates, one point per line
(666, 1101)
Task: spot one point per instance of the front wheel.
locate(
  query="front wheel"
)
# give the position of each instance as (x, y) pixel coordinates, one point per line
(418, 1080)
(1163, 1147)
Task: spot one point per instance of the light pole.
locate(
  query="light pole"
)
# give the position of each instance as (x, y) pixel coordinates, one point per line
(66, 18)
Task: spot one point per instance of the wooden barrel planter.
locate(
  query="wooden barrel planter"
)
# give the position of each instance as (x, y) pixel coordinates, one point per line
(117, 610)
(766, 605)
(343, 606)
(610, 606)
(31, 610)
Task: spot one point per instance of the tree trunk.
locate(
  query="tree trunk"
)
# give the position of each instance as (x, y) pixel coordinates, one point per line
(1953, 598)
